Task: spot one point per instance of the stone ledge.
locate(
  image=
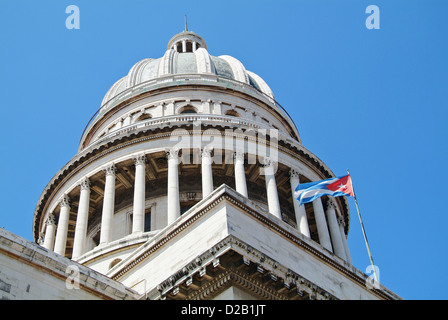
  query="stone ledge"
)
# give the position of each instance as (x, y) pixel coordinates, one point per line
(51, 267)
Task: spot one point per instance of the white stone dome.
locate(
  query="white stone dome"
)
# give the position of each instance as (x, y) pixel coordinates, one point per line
(187, 54)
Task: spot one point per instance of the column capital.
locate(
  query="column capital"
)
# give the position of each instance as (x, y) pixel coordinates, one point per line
(268, 162)
(206, 152)
(341, 221)
(85, 184)
(51, 220)
(294, 173)
(172, 153)
(238, 155)
(139, 159)
(110, 170)
(331, 204)
(64, 201)
(41, 238)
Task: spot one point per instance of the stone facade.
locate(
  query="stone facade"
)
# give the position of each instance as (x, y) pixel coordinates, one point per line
(31, 272)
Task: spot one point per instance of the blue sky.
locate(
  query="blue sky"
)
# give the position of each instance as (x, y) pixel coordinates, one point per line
(373, 101)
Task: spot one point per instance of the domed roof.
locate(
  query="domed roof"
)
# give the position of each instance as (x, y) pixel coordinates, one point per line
(187, 54)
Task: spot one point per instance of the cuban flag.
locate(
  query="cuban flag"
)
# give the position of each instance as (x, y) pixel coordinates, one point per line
(335, 187)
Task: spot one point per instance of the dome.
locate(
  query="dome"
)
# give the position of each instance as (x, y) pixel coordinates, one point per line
(187, 54)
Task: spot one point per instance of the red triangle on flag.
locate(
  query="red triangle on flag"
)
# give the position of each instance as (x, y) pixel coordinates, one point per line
(343, 184)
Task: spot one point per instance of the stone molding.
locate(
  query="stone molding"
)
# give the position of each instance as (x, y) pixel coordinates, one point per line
(35, 256)
(251, 256)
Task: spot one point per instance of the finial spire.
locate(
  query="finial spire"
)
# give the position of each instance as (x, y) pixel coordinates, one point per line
(186, 29)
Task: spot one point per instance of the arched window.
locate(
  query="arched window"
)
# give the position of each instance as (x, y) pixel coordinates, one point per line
(144, 116)
(189, 46)
(232, 113)
(187, 109)
(113, 263)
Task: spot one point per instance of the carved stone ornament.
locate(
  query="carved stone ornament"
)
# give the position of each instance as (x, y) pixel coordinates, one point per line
(268, 162)
(172, 153)
(341, 221)
(238, 155)
(64, 201)
(40, 241)
(206, 152)
(294, 174)
(140, 159)
(110, 170)
(331, 205)
(85, 184)
(51, 220)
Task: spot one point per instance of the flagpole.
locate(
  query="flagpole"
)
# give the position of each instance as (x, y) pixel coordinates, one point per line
(364, 232)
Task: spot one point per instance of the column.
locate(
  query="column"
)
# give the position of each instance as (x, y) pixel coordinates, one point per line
(173, 204)
(194, 46)
(207, 174)
(61, 233)
(79, 243)
(240, 175)
(341, 223)
(184, 46)
(50, 232)
(321, 224)
(301, 218)
(108, 205)
(335, 233)
(271, 188)
(138, 219)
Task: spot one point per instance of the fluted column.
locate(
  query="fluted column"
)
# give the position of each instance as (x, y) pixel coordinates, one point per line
(207, 174)
(301, 218)
(79, 242)
(321, 224)
(335, 233)
(271, 188)
(341, 223)
(50, 232)
(240, 175)
(61, 233)
(108, 205)
(138, 224)
(173, 204)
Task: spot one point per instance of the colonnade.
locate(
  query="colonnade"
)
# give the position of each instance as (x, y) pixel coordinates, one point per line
(184, 42)
(330, 226)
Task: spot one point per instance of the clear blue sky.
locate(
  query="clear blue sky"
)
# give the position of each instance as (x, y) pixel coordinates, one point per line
(373, 101)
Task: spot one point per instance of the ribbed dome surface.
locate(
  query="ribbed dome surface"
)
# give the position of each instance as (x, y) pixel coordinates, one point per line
(198, 61)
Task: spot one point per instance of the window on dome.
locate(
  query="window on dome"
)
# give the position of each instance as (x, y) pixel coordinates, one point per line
(232, 113)
(114, 262)
(144, 116)
(188, 109)
(189, 46)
